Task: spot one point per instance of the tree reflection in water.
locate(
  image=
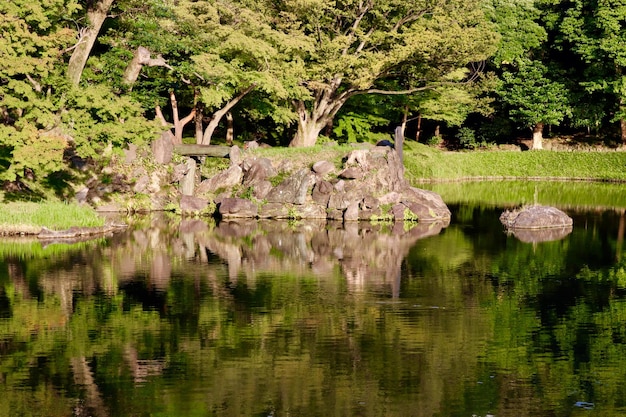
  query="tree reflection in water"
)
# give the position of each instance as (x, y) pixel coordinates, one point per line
(188, 317)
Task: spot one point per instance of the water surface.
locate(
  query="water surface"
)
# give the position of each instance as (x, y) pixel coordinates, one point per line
(194, 318)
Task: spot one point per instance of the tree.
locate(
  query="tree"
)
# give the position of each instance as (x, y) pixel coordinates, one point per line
(534, 98)
(595, 31)
(353, 46)
(530, 86)
(96, 14)
(34, 37)
(43, 115)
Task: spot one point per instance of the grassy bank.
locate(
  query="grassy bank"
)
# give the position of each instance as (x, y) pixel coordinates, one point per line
(29, 218)
(430, 164)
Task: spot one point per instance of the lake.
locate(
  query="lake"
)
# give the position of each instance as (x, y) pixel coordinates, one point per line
(201, 318)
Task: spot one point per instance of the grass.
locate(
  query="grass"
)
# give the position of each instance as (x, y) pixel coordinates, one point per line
(29, 218)
(424, 163)
(306, 157)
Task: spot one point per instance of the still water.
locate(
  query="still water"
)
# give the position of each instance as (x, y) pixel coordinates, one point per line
(194, 318)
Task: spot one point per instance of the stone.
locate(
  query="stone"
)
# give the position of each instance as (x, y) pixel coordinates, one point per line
(352, 212)
(81, 195)
(434, 206)
(188, 182)
(369, 203)
(235, 155)
(141, 184)
(190, 203)
(237, 207)
(398, 211)
(290, 211)
(535, 217)
(256, 170)
(179, 172)
(323, 167)
(351, 173)
(229, 178)
(163, 147)
(295, 189)
(261, 189)
(130, 154)
(321, 192)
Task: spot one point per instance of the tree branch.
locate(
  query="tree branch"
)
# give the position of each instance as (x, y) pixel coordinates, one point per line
(391, 92)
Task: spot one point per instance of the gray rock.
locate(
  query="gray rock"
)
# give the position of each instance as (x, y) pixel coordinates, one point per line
(295, 189)
(235, 155)
(290, 211)
(351, 173)
(261, 189)
(535, 217)
(321, 192)
(225, 179)
(141, 184)
(352, 212)
(323, 167)
(188, 182)
(238, 207)
(190, 203)
(130, 154)
(256, 170)
(163, 147)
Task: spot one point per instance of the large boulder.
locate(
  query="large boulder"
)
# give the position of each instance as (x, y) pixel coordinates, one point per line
(535, 217)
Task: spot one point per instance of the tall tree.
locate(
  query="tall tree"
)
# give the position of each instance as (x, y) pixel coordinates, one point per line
(531, 90)
(352, 46)
(97, 12)
(595, 31)
(534, 98)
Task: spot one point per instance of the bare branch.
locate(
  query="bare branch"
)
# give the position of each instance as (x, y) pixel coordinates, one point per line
(34, 83)
(392, 92)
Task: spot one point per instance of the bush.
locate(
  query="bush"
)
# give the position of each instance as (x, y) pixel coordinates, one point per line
(467, 138)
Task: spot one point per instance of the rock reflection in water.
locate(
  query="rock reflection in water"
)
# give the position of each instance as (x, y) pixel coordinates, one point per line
(366, 253)
(541, 235)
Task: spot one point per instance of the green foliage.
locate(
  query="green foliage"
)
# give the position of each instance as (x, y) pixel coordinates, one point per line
(467, 138)
(533, 95)
(42, 116)
(352, 127)
(518, 24)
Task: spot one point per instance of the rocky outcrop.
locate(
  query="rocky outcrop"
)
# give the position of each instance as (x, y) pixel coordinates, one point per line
(535, 217)
(369, 186)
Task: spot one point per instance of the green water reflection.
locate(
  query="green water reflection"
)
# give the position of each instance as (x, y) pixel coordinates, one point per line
(572, 195)
(255, 319)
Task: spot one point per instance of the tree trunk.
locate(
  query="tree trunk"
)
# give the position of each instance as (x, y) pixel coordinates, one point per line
(307, 133)
(538, 136)
(88, 36)
(140, 58)
(179, 124)
(217, 116)
(311, 122)
(230, 128)
(622, 125)
(199, 118)
(419, 128)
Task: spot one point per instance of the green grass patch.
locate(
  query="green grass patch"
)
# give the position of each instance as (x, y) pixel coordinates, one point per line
(306, 156)
(426, 163)
(26, 217)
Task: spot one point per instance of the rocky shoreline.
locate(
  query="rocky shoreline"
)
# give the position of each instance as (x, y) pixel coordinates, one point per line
(369, 185)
